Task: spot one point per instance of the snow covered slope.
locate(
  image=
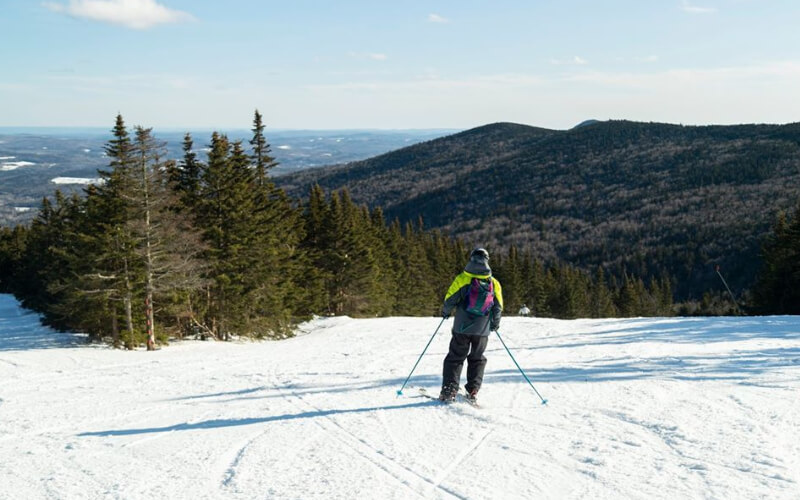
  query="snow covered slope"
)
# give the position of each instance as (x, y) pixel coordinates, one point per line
(638, 408)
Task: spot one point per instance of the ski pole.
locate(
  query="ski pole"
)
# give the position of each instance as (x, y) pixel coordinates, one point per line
(729, 291)
(400, 392)
(544, 401)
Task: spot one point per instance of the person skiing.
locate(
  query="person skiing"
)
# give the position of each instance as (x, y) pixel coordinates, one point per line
(477, 298)
(524, 311)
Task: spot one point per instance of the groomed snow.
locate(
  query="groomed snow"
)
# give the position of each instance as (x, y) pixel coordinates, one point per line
(660, 408)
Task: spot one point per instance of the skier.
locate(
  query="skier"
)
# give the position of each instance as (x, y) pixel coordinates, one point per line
(478, 300)
(524, 311)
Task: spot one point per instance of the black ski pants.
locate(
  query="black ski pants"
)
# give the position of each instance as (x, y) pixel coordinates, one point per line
(469, 347)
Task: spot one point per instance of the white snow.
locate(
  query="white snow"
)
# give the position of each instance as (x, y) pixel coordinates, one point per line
(22, 209)
(76, 180)
(7, 166)
(284, 146)
(6, 157)
(660, 408)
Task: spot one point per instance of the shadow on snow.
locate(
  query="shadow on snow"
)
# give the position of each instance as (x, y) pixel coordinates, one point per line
(235, 422)
(22, 330)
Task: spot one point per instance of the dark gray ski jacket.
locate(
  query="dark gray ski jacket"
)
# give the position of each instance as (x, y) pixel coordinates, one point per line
(456, 298)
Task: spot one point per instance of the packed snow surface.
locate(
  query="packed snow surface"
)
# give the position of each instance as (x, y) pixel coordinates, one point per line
(637, 408)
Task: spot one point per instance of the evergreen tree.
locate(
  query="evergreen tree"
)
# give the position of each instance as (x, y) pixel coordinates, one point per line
(627, 299)
(185, 176)
(601, 304)
(166, 245)
(13, 243)
(313, 296)
(777, 289)
(541, 284)
(261, 150)
(109, 241)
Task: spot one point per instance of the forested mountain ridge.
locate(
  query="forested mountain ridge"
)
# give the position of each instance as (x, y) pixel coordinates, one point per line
(652, 199)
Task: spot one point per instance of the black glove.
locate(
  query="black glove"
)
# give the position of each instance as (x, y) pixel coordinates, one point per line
(445, 314)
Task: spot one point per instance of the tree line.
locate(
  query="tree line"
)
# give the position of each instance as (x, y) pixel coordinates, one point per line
(651, 199)
(777, 290)
(211, 247)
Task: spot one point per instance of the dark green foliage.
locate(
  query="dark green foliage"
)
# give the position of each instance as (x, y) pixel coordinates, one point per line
(777, 290)
(653, 199)
(262, 160)
(165, 249)
(13, 243)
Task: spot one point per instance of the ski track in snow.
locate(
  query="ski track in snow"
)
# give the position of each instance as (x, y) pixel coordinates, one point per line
(638, 408)
(372, 456)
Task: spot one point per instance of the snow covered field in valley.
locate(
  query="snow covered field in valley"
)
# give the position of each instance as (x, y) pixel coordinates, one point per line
(661, 408)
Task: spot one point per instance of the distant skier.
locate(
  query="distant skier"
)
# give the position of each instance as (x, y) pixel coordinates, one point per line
(524, 311)
(477, 298)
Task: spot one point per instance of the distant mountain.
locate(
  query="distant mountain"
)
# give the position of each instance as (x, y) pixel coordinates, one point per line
(585, 123)
(648, 198)
(36, 161)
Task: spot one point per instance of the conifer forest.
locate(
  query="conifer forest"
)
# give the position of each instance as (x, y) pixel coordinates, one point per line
(210, 247)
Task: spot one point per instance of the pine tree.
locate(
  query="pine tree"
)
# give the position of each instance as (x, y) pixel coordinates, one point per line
(115, 272)
(602, 305)
(13, 244)
(185, 176)
(628, 299)
(166, 245)
(261, 151)
(777, 289)
(541, 283)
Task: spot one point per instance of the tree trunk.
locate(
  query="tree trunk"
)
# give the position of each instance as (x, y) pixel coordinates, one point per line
(127, 299)
(148, 262)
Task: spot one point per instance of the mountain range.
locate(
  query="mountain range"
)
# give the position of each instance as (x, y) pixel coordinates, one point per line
(36, 161)
(647, 199)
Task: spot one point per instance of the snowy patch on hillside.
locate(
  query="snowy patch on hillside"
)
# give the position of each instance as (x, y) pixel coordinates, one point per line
(7, 166)
(659, 408)
(76, 180)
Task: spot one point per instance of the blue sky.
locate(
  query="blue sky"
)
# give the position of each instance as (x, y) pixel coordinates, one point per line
(389, 64)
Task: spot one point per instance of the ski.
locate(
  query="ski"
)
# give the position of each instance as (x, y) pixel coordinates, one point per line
(460, 398)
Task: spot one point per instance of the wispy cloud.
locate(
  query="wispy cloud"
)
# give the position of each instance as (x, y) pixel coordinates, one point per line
(135, 14)
(695, 9)
(575, 61)
(427, 83)
(436, 18)
(762, 75)
(646, 59)
(374, 56)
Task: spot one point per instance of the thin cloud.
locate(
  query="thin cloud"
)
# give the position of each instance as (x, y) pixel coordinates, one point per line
(436, 18)
(575, 61)
(374, 56)
(762, 75)
(135, 14)
(428, 83)
(695, 9)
